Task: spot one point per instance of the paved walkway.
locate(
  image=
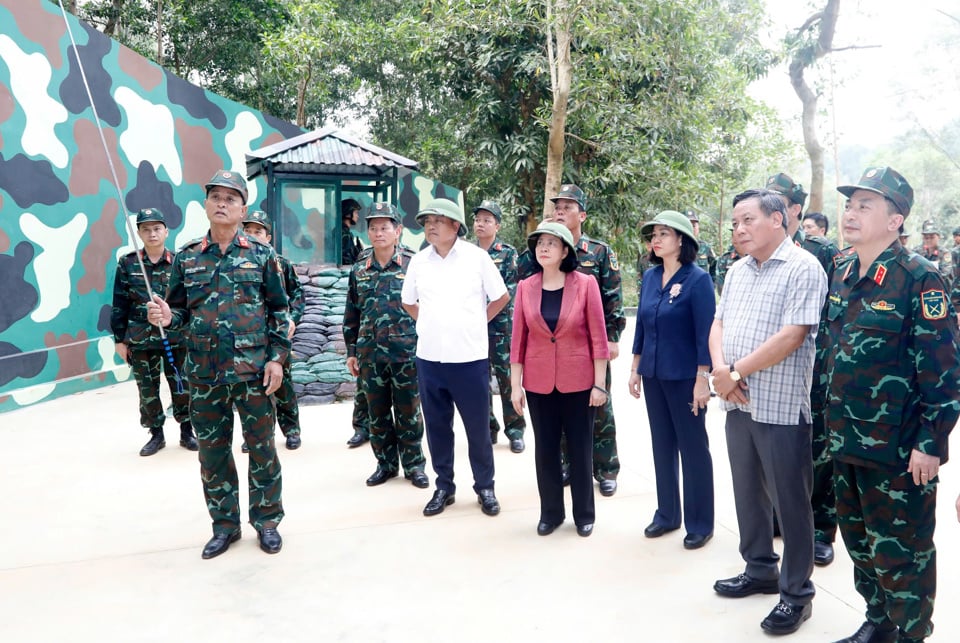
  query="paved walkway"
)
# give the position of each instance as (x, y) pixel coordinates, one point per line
(100, 544)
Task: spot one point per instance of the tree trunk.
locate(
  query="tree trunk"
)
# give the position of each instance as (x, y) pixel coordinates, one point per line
(160, 32)
(302, 95)
(110, 29)
(561, 72)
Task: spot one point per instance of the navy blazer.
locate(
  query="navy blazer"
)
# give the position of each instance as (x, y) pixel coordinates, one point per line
(673, 331)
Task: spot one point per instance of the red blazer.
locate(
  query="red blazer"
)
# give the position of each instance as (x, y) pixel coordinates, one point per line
(564, 358)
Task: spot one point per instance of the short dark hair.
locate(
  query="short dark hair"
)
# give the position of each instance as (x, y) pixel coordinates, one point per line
(770, 202)
(567, 264)
(819, 220)
(688, 252)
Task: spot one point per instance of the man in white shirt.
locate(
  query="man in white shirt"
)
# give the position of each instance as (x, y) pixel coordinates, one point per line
(452, 288)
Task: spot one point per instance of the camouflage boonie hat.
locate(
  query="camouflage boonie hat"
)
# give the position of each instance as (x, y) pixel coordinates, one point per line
(783, 184)
(147, 215)
(929, 227)
(259, 217)
(444, 208)
(572, 192)
(886, 182)
(490, 206)
(382, 211)
(692, 216)
(228, 179)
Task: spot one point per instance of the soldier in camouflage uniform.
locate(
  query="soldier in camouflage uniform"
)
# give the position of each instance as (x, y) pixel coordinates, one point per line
(892, 374)
(931, 251)
(724, 262)
(257, 225)
(599, 260)
(486, 224)
(138, 342)
(706, 257)
(227, 293)
(381, 341)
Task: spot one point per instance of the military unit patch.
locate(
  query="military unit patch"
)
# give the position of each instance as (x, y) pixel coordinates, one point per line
(933, 304)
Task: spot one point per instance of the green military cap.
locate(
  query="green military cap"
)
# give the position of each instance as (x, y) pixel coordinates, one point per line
(490, 206)
(444, 208)
(886, 182)
(382, 210)
(692, 216)
(929, 227)
(228, 179)
(572, 192)
(956, 231)
(147, 215)
(783, 184)
(671, 219)
(259, 217)
(555, 229)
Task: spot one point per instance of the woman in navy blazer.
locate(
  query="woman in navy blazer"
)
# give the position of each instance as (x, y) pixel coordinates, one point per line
(672, 359)
(558, 355)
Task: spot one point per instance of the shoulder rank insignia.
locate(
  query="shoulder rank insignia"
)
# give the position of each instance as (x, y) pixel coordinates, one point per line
(880, 274)
(883, 306)
(933, 304)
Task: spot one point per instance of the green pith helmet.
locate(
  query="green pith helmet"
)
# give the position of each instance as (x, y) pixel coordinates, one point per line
(228, 179)
(490, 206)
(259, 217)
(444, 208)
(149, 215)
(783, 184)
(572, 192)
(671, 219)
(382, 211)
(557, 230)
(886, 182)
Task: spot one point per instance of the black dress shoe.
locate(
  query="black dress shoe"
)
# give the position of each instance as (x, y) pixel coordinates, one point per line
(585, 530)
(786, 618)
(270, 540)
(380, 476)
(155, 443)
(293, 441)
(357, 439)
(418, 479)
(822, 553)
(517, 445)
(545, 528)
(488, 502)
(870, 633)
(608, 487)
(565, 474)
(743, 585)
(439, 502)
(696, 541)
(655, 530)
(187, 440)
(493, 437)
(219, 544)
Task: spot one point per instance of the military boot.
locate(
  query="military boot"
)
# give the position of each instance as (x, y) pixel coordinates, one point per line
(187, 441)
(155, 444)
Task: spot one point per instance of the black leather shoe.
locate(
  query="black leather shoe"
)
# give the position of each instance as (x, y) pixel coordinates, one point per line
(244, 448)
(517, 445)
(585, 530)
(608, 487)
(786, 618)
(270, 540)
(565, 475)
(293, 441)
(219, 544)
(187, 440)
(494, 437)
(655, 530)
(155, 443)
(357, 439)
(545, 528)
(439, 502)
(419, 479)
(870, 633)
(488, 502)
(822, 553)
(380, 476)
(696, 541)
(743, 585)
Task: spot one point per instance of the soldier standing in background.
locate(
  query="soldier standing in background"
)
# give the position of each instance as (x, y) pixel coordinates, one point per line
(893, 384)
(706, 257)
(227, 293)
(257, 226)
(351, 248)
(724, 262)
(931, 251)
(643, 263)
(486, 224)
(381, 341)
(138, 342)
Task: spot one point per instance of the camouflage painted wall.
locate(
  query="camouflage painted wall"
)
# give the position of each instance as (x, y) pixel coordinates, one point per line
(61, 227)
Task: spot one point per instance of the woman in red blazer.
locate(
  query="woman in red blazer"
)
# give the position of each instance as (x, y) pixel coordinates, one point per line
(558, 355)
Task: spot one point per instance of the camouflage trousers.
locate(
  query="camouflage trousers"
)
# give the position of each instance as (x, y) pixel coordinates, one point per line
(514, 425)
(288, 412)
(822, 500)
(393, 403)
(887, 525)
(211, 412)
(361, 414)
(606, 461)
(147, 365)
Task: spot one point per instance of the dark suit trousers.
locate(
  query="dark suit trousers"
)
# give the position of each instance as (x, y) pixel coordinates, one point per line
(555, 414)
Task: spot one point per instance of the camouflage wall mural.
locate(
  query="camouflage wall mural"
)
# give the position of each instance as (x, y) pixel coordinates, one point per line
(61, 218)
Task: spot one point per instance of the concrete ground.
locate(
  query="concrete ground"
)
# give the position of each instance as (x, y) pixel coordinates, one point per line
(100, 544)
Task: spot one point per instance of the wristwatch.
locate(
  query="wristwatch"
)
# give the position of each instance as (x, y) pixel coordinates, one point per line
(734, 374)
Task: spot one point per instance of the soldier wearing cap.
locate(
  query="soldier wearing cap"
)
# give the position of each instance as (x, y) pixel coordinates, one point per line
(453, 289)
(892, 380)
(794, 197)
(381, 350)
(138, 342)
(227, 292)
(724, 262)
(706, 257)
(486, 224)
(931, 251)
(257, 225)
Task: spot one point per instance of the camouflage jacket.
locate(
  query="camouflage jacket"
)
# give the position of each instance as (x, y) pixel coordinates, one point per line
(892, 368)
(823, 249)
(350, 247)
(505, 257)
(128, 318)
(724, 262)
(233, 307)
(294, 289)
(375, 325)
(941, 259)
(706, 258)
(643, 264)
